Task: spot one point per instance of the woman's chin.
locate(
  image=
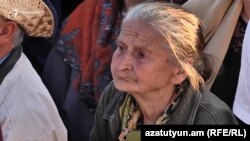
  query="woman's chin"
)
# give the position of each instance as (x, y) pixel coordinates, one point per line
(124, 86)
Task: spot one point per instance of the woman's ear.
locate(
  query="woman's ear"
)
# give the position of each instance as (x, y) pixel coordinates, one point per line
(179, 75)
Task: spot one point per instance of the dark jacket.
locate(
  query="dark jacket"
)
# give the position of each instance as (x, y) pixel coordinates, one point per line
(75, 114)
(193, 109)
(38, 48)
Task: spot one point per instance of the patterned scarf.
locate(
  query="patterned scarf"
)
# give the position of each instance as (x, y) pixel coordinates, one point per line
(131, 116)
(88, 44)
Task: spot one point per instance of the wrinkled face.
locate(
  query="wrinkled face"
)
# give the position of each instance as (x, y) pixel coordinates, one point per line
(140, 63)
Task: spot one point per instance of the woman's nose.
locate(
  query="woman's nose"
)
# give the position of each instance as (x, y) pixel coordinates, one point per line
(126, 62)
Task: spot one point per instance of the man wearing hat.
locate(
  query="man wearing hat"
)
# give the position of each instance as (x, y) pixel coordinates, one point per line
(27, 111)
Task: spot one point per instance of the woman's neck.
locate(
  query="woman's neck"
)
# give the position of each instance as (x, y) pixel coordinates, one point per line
(154, 104)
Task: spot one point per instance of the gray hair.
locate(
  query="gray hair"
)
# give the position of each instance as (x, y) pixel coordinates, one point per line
(182, 33)
(18, 37)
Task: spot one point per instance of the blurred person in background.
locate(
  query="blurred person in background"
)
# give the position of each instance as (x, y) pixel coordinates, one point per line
(241, 105)
(225, 84)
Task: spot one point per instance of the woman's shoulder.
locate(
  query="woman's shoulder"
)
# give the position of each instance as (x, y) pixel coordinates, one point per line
(212, 110)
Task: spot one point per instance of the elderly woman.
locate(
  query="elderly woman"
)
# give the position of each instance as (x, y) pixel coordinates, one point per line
(158, 74)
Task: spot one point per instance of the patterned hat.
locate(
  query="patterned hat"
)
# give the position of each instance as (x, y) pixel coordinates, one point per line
(36, 17)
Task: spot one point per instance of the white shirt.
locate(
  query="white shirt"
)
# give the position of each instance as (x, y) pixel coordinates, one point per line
(27, 111)
(241, 106)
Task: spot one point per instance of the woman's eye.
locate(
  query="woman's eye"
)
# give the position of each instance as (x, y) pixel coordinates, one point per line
(120, 48)
(140, 54)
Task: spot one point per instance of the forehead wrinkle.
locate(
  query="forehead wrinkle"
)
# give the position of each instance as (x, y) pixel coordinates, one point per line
(141, 35)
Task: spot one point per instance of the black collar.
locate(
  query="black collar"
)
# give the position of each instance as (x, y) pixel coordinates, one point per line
(9, 62)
